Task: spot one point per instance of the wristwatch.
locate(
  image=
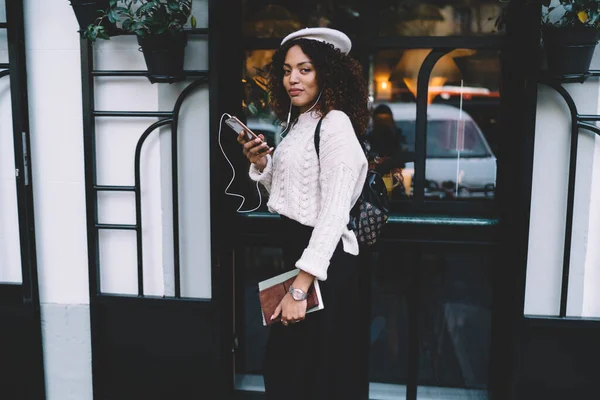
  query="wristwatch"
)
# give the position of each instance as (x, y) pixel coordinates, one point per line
(297, 294)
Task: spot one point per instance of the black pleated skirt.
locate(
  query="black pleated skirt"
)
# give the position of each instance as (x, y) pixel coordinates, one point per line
(324, 356)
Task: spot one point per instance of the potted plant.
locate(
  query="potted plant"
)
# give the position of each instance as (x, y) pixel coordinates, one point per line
(87, 12)
(159, 28)
(570, 34)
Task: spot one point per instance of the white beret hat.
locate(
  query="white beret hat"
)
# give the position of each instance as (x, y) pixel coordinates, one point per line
(338, 39)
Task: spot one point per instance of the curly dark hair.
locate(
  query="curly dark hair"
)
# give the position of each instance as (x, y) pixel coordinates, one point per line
(338, 75)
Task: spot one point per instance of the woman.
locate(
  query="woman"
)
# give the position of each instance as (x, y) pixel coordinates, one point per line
(311, 77)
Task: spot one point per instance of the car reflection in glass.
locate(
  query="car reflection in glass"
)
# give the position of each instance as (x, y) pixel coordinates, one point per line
(459, 162)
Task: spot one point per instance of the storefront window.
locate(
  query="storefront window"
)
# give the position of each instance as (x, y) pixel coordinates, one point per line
(462, 113)
(435, 18)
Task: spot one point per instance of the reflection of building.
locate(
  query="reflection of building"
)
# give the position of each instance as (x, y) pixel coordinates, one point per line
(467, 293)
(405, 18)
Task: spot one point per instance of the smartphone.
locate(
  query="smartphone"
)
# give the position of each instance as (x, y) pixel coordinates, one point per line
(238, 127)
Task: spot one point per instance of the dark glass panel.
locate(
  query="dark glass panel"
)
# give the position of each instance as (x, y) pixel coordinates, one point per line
(276, 19)
(439, 18)
(391, 285)
(455, 297)
(254, 265)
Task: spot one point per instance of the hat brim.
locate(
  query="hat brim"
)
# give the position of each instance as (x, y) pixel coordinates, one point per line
(338, 39)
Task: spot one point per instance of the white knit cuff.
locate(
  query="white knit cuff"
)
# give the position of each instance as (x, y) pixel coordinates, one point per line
(257, 175)
(314, 264)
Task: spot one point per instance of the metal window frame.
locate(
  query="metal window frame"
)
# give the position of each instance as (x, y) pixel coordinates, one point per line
(24, 296)
(90, 114)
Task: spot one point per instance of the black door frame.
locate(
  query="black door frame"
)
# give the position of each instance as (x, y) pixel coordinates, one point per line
(147, 346)
(520, 65)
(19, 303)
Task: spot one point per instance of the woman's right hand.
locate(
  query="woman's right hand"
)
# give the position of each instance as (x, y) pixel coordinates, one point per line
(255, 150)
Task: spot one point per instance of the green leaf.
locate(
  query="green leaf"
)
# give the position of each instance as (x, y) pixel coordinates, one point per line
(193, 21)
(112, 16)
(173, 5)
(146, 7)
(103, 35)
(252, 108)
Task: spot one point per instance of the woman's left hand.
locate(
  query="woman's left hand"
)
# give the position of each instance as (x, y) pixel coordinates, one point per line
(291, 310)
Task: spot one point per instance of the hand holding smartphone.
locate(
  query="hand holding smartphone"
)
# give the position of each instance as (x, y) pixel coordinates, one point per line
(239, 127)
(255, 147)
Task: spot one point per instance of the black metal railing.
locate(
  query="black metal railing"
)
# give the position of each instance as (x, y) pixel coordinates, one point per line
(17, 72)
(21, 318)
(578, 121)
(165, 118)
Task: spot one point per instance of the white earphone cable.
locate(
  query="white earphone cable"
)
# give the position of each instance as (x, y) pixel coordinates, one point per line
(287, 124)
(233, 175)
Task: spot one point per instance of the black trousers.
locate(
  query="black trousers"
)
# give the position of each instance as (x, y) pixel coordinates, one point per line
(322, 357)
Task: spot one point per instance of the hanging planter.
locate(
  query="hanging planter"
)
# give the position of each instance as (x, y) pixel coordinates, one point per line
(89, 12)
(159, 27)
(570, 33)
(569, 50)
(164, 55)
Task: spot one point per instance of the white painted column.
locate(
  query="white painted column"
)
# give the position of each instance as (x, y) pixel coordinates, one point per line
(549, 201)
(54, 86)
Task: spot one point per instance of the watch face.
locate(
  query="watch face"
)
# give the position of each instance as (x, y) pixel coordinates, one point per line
(297, 294)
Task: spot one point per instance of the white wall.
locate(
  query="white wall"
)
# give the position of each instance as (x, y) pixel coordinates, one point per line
(549, 201)
(591, 301)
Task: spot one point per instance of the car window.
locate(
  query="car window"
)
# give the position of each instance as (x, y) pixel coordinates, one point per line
(443, 140)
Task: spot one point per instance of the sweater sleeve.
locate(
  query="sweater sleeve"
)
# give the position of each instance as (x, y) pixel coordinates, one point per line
(342, 164)
(264, 177)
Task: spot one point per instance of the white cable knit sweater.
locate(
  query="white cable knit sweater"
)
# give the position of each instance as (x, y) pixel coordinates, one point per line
(313, 192)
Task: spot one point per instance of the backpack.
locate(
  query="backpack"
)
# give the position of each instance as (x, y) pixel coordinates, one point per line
(370, 212)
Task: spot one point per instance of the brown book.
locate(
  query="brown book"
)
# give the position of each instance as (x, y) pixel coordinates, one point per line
(273, 290)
